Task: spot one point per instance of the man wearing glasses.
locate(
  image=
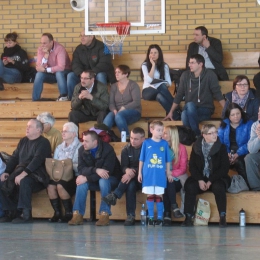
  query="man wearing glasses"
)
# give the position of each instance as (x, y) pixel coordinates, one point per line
(90, 100)
(199, 86)
(89, 55)
(210, 48)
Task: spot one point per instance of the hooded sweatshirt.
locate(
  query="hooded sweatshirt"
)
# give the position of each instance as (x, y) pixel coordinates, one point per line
(201, 90)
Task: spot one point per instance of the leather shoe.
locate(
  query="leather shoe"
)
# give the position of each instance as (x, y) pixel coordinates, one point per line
(26, 217)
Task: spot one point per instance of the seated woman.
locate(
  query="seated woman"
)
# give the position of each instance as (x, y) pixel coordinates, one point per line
(156, 76)
(234, 133)
(244, 97)
(179, 173)
(64, 190)
(14, 61)
(49, 132)
(125, 101)
(209, 166)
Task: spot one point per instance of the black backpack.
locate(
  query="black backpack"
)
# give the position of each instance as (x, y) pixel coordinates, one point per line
(186, 135)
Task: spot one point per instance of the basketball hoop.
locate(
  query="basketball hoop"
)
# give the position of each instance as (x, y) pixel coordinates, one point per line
(113, 35)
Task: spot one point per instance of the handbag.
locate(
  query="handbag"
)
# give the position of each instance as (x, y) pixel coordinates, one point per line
(238, 184)
(59, 169)
(202, 213)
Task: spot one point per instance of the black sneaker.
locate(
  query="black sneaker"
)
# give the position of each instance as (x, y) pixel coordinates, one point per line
(130, 221)
(158, 222)
(110, 199)
(222, 221)
(151, 222)
(188, 221)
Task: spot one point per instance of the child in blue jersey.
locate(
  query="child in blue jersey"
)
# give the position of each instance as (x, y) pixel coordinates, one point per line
(154, 167)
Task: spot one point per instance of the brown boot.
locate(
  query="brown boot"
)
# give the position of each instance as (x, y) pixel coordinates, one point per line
(77, 219)
(103, 219)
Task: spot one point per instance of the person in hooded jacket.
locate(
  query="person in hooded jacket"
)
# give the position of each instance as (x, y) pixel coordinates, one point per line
(14, 61)
(209, 166)
(200, 87)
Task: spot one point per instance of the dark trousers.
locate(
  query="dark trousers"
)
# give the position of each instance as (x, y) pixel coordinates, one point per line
(169, 196)
(240, 167)
(192, 189)
(77, 116)
(130, 190)
(21, 198)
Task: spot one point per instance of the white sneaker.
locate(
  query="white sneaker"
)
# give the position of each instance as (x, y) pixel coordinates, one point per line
(62, 98)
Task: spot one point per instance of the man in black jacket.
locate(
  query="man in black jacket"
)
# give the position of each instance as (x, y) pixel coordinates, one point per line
(25, 174)
(210, 48)
(99, 169)
(129, 183)
(90, 55)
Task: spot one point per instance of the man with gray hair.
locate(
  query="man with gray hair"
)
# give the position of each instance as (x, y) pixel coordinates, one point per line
(49, 132)
(25, 174)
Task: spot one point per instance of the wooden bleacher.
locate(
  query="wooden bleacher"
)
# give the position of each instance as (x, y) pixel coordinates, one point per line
(16, 108)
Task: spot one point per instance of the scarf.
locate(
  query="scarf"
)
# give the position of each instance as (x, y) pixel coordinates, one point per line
(69, 151)
(205, 150)
(240, 101)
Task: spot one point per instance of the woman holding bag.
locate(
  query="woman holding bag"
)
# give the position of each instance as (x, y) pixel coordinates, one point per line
(209, 166)
(179, 174)
(61, 189)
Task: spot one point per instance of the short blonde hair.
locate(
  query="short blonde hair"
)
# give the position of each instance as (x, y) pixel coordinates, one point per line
(156, 122)
(205, 128)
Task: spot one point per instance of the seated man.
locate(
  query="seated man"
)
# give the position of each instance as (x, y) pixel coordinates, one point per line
(89, 55)
(53, 65)
(25, 173)
(90, 100)
(210, 48)
(49, 132)
(98, 169)
(2, 178)
(199, 86)
(252, 159)
(129, 183)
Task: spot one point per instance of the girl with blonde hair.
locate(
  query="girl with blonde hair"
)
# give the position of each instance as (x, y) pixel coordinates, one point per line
(178, 169)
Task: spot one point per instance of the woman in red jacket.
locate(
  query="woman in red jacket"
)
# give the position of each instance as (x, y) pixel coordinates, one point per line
(178, 168)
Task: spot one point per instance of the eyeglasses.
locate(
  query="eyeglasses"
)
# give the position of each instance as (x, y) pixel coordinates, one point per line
(85, 78)
(212, 133)
(65, 132)
(242, 85)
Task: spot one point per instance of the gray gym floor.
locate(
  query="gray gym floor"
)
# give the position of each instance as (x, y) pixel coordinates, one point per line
(43, 240)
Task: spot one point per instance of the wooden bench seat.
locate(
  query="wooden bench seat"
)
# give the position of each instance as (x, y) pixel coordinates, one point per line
(246, 200)
(175, 60)
(41, 206)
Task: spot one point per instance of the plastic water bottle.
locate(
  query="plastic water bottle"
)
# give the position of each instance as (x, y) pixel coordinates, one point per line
(123, 136)
(242, 218)
(143, 215)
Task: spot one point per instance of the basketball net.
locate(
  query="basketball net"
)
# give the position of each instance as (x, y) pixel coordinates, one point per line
(113, 35)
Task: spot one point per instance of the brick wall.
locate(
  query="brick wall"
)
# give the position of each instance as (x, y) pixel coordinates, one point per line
(233, 21)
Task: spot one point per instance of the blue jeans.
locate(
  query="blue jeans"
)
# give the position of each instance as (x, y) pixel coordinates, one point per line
(73, 80)
(122, 119)
(130, 190)
(192, 115)
(161, 94)
(10, 75)
(104, 185)
(41, 77)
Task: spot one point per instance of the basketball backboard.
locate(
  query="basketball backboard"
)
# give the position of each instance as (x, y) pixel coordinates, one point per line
(145, 16)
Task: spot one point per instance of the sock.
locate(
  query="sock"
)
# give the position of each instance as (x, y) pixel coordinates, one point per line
(160, 210)
(150, 206)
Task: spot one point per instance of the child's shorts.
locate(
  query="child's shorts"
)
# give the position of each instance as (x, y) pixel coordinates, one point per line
(153, 190)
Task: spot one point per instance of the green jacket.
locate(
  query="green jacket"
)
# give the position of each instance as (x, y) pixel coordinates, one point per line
(91, 107)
